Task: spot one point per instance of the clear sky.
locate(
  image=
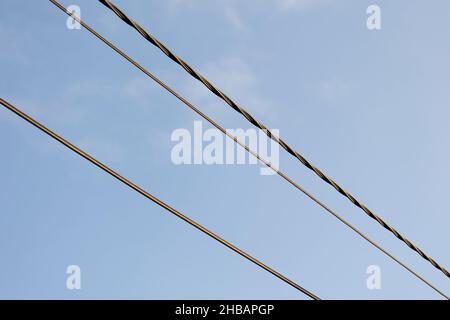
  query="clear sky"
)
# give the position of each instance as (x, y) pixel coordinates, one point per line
(370, 108)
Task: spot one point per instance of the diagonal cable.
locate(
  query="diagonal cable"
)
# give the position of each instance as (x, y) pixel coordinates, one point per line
(281, 174)
(153, 198)
(153, 40)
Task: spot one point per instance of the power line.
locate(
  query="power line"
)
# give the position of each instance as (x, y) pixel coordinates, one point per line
(153, 40)
(281, 174)
(153, 198)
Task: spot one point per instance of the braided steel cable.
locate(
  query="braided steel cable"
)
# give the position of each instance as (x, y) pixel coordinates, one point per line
(154, 198)
(281, 174)
(261, 126)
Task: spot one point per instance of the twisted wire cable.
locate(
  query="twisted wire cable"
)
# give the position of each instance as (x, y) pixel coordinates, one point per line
(154, 198)
(281, 174)
(153, 40)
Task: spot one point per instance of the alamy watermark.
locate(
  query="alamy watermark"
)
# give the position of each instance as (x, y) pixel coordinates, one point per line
(212, 147)
(373, 282)
(73, 281)
(374, 20)
(71, 23)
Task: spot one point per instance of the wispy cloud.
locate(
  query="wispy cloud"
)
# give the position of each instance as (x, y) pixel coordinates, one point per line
(282, 5)
(234, 19)
(286, 5)
(235, 78)
(136, 89)
(13, 49)
(107, 149)
(332, 89)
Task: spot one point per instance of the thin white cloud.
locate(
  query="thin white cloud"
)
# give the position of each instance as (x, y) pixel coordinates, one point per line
(234, 19)
(235, 78)
(332, 90)
(138, 88)
(14, 50)
(282, 5)
(103, 148)
(176, 5)
(135, 89)
(286, 5)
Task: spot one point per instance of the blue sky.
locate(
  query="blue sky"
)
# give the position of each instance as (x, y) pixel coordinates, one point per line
(368, 107)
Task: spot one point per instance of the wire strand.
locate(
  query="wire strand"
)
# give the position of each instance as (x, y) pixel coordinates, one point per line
(261, 126)
(281, 174)
(153, 198)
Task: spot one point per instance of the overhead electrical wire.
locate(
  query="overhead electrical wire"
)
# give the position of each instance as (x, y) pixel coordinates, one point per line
(153, 40)
(281, 174)
(153, 198)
